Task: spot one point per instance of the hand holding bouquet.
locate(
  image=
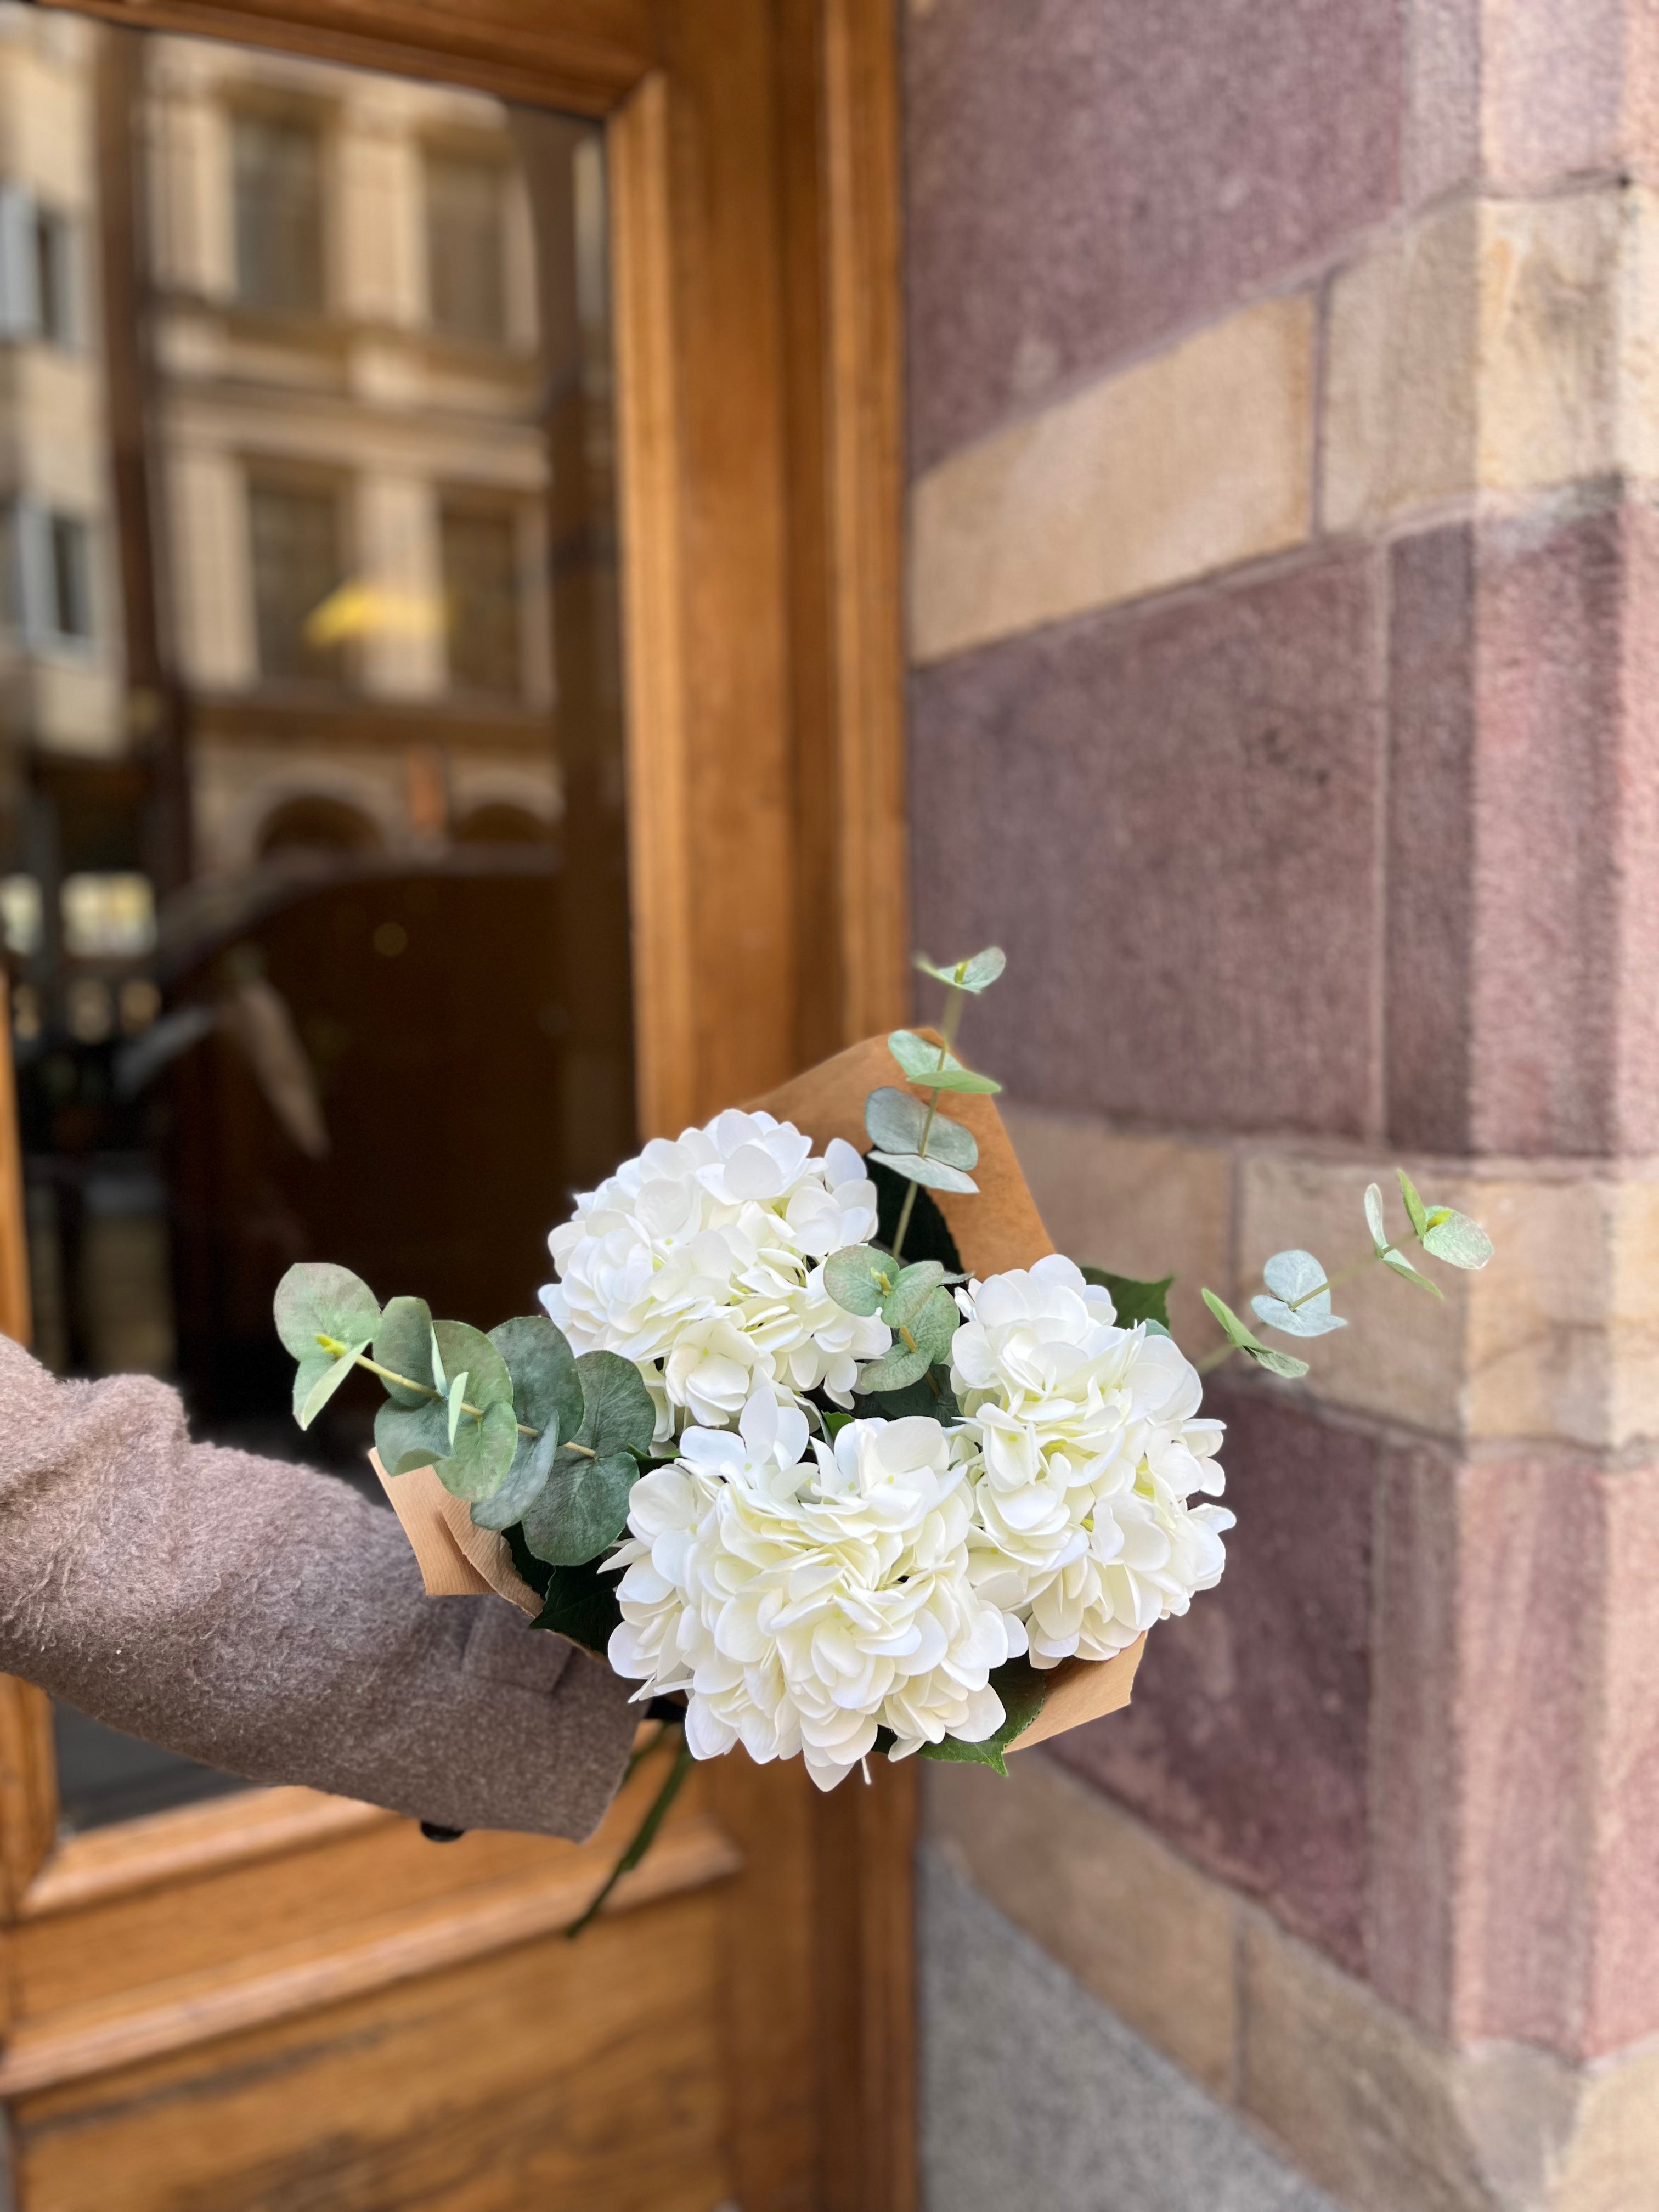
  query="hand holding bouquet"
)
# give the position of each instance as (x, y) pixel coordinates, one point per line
(775, 1449)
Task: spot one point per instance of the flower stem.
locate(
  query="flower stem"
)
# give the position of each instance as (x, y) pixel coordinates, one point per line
(644, 1836)
(948, 1028)
(425, 1391)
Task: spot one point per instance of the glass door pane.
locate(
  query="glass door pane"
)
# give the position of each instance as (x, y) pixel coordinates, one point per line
(312, 866)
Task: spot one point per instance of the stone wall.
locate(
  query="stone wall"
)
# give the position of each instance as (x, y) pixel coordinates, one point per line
(1284, 623)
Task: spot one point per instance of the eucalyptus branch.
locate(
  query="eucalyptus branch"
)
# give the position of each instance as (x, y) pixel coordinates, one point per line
(332, 1343)
(644, 1836)
(954, 1002)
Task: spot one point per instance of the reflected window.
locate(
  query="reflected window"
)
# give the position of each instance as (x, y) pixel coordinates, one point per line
(57, 248)
(108, 917)
(277, 170)
(294, 535)
(467, 247)
(480, 592)
(48, 562)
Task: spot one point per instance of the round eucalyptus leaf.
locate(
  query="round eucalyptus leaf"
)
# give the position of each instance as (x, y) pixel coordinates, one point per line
(897, 1122)
(976, 974)
(1301, 1303)
(318, 1377)
(1315, 1319)
(409, 1436)
(317, 1299)
(1456, 1239)
(933, 1174)
(911, 1291)
(859, 1278)
(893, 1370)
(935, 1325)
(547, 1389)
(582, 1508)
(618, 1414)
(404, 1343)
(1374, 1220)
(932, 1068)
(464, 1349)
(1276, 1363)
(1398, 1264)
(526, 1479)
(484, 1453)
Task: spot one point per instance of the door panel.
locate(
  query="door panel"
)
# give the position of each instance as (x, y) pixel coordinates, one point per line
(279, 2000)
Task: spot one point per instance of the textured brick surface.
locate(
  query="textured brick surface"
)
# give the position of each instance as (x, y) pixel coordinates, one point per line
(1623, 2002)
(1171, 821)
(1524, 801)
(1034, 2094)
(1192, 461)
(1414, 1774)
(1531, 1550)
(1246, 1742)
(1084, 176)
(1143, 1931)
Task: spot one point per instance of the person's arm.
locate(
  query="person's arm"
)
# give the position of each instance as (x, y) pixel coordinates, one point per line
(267, 1621)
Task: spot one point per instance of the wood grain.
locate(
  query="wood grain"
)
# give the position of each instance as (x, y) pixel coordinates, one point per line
(15, 1320)
(323, 1967)
(579, 55)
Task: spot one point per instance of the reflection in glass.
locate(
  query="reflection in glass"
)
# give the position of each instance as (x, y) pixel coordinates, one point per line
(312, 883)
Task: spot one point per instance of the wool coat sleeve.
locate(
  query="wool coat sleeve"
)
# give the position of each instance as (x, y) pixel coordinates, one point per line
(270, 1621)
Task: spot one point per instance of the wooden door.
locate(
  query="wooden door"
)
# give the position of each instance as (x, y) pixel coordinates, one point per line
(283, 2000)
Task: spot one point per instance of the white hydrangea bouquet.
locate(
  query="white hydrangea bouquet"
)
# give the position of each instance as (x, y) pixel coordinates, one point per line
(821, 1437)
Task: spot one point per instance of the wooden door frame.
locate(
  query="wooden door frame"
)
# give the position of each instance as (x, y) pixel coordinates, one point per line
(756, 319)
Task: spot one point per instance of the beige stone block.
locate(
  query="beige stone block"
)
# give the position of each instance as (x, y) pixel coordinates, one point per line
(1151, 1937)
(1361, 2101)
(1192, 461)
(1400, 400)
(1558, 1339)
(1148, 1207)
(1497, 346)
(1612, 2163)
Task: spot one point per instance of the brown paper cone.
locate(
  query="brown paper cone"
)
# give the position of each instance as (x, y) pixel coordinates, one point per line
(999, 1228)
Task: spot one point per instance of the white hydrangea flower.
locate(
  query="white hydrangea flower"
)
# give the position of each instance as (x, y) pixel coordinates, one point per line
(1090, 1446)
(703, 1260)
(804, 1601)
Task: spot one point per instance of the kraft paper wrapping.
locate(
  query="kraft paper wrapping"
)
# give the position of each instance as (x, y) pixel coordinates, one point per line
(999, 1228)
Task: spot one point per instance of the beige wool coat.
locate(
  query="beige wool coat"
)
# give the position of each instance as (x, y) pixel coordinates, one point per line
(269, 1621)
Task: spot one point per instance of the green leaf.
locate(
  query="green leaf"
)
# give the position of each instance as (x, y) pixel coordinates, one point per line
(547, 1390)
(935, 1325)
(1276, 1363)
(316, 1379)
(317, 1299)
(932, 1067)
(976, 974)
(439, 1380)
(1398, 1265)
(457, 1394)
(404, 1343)
(860, 1277)
(917, 1399)
(526, 1479)
(483, 1454)
(1374, 1220)
(898, 1119)
(411, 1436)
(915, 1286)
(1022, 1690)
(580, 1604)
(1458, 1240)
(618, 1413)
(933, 1173)
(583, 1508)
(1133, 1301)
(1414, 1206)
(1292, 1277)
(893, 1370)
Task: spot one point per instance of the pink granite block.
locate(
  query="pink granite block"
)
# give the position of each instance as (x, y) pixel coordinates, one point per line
(1084, 177)
(1532, 1548)
(1522, 897)
(1413, 1750)
(1554, 96)
(1246, 1742)
(1623, 1998)
(1169, 818)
